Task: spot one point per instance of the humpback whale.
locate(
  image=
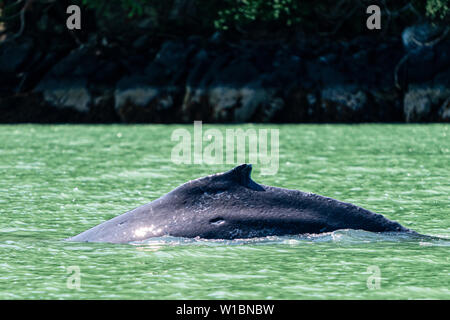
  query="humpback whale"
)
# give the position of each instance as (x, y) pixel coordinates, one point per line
(231, 205)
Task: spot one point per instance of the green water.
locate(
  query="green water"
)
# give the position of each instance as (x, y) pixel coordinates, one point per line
(56, 181)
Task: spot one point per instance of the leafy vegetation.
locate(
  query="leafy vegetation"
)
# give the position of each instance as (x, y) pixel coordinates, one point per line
(238, 13)
(241, 12)
(264, 14)
(438, 9)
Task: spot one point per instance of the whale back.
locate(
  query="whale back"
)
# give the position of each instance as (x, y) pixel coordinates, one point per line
(231, 205)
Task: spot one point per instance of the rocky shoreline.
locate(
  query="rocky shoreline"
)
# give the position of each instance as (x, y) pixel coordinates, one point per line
(154, 79)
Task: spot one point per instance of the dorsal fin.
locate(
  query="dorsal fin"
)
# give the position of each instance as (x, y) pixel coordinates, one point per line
(242, 174)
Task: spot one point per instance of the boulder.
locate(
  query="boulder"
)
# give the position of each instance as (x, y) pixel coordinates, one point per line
(425, 103)
(66, 93)
(14, 54)
(248, 103)
(86, 62)
(421, 35)
(343, 104)
(444, 112)
(427, 48)
(170, 64)
(31, 107)
(138, 101)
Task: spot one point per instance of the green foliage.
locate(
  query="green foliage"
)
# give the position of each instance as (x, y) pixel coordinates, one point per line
(234, 14)
(264, 14)
(438, 9)
(241, 12)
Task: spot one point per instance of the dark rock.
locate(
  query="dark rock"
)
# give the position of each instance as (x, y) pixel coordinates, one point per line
(421, 65)
(427, 52)
(328, 59)
(169, 65)
(102, 108)
(424, 103)
(421, 35)
(171, 54)
(298, 107)
(138, 101)
(182, 9)
(81, 62)
(201, 63)
(134, 75)
(386, 105)
(141, 42)
(215, 64)
(66, 93)
(343, 104)
(231, 89)
(135, 64)
(216, 38)
(238, 72)
(87, 63)
(14, 54)
(31, 107)
(134, 90)
(147, 23)
(323, 75)
(380, 68)
(286, 73)
(244, 103)
(444, 112)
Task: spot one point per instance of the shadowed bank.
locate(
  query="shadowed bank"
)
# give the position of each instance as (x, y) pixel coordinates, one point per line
(225, 61)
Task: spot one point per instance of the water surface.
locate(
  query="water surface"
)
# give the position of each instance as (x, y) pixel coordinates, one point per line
(56, 181)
